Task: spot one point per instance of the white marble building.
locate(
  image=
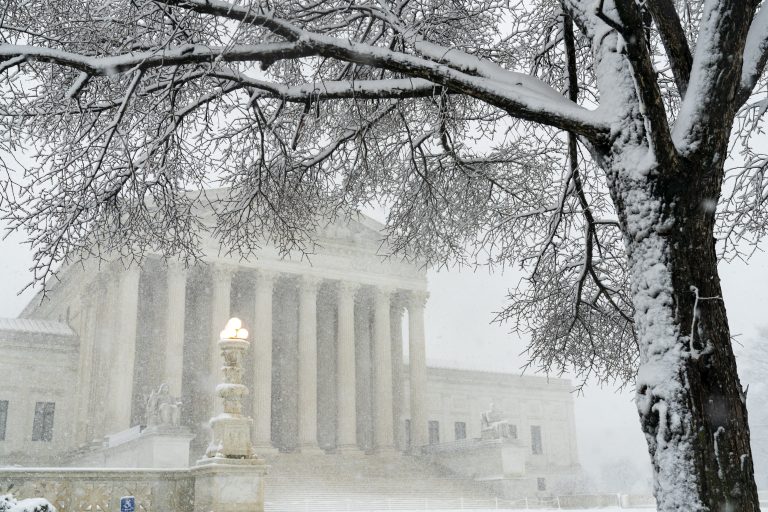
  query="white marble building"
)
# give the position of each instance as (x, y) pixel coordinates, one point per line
(38, 366)
(325, 369)
(457, 397)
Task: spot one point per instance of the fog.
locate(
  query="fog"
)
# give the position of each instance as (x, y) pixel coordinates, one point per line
(460, 333)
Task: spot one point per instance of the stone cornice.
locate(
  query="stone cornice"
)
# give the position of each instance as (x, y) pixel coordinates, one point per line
(343, 251)
(417, 299)
(97, 474)
(309, 283)
(50, 344)
(348, 287)
(265, 278)
(483, 377)
(222, 271)
(385, 292)
(348, 252)
(175, 267)
(288, 269)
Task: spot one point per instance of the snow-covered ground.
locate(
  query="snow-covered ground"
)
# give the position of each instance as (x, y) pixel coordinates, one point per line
(599, 509)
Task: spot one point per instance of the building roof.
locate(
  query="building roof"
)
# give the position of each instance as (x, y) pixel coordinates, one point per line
(457, 372)
(33, 325)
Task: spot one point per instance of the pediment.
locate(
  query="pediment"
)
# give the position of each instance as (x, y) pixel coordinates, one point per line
(354, 230)
(359, 229)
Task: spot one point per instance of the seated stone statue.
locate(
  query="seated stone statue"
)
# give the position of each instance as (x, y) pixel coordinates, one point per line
(163, 410)
(493, 425)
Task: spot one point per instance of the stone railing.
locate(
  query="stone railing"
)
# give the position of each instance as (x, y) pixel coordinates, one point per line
(100, 490)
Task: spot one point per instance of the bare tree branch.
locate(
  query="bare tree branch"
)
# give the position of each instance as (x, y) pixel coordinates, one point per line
(675, 43)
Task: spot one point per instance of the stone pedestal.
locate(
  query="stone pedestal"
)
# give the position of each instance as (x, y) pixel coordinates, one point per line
(488, 460)
(231, 438)
(164, 447)
(229, 485)
(153, 447)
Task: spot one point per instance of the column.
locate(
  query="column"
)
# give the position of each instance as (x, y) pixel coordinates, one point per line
(346, 426)
(398, 393)
(308, 364)
(105, 288)
(382, 372)
(174, 327)
(261, 336)
(221, 281)
(418, 368)
(124, 349)
(89, 298)
(326, 368)
(364, 369)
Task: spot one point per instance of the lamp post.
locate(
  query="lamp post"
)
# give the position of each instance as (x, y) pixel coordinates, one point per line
(230, 477)
(231, 437)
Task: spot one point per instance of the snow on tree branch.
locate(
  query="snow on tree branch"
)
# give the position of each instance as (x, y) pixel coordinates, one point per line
(14, 55)
(755, 53)
(714, 78)
(516, 94)
(675, 43)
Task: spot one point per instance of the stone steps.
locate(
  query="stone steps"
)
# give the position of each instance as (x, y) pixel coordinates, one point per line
(365, 482)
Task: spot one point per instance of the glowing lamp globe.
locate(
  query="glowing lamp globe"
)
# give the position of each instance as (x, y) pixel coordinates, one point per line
(234, 330)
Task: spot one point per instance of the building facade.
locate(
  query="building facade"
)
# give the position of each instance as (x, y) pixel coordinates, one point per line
(540, 410)
(38, 364)
(325, 368)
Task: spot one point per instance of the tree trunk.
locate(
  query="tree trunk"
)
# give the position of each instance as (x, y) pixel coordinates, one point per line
(691, 404)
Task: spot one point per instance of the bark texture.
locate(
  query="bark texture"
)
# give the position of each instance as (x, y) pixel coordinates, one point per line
(691, 403)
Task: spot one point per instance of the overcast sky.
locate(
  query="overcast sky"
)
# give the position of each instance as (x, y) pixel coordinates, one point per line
(460, 332)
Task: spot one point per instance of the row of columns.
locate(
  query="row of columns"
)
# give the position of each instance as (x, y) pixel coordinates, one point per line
(385, 406)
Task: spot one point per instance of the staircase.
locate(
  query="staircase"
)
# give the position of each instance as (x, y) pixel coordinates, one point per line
(298, 482)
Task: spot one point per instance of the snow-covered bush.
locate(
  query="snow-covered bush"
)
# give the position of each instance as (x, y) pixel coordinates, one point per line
(9, 504)
(33, 505)
(6, 502)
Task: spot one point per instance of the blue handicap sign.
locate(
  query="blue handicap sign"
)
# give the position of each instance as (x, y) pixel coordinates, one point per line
(127, 504)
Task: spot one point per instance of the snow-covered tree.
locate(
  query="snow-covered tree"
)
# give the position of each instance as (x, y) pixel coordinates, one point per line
(587, 140)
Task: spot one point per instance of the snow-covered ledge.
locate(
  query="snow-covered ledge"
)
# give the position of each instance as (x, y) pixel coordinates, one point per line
(234, 485)
(152, 447)
(155, 490)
